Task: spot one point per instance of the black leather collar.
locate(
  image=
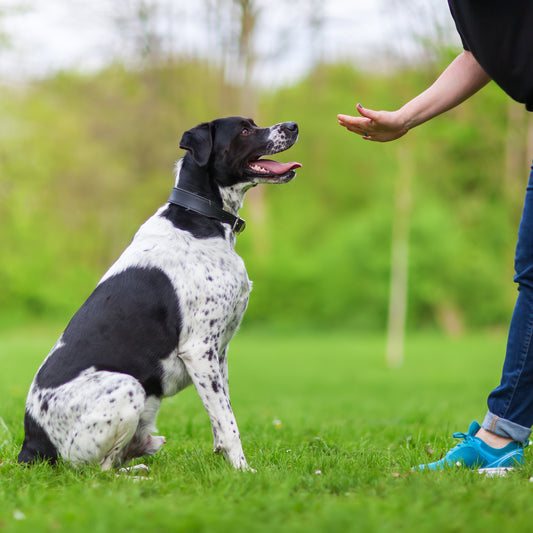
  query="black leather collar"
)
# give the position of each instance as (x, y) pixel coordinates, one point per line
(206, 207)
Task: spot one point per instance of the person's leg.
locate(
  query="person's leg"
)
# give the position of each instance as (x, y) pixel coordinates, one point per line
(511, 403)
(498, 444)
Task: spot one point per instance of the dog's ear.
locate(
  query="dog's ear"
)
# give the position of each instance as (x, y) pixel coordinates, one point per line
(199, 142)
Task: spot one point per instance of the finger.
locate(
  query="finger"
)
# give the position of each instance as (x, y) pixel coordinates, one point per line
(352, 120)
(352, 128)
(355, 124)
(367, 113)
(348, 119)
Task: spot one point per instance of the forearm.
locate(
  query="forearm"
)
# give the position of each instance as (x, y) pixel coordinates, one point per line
(463, 77)
(459, 81)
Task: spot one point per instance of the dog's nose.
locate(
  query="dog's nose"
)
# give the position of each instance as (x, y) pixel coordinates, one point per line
(291, 126)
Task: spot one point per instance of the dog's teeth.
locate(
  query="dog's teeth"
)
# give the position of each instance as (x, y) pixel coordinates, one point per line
(257, 168)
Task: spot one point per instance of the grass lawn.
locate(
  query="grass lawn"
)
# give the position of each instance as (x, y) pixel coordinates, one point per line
(331, 431)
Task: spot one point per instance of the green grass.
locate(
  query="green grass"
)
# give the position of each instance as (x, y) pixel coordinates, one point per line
(305, 402)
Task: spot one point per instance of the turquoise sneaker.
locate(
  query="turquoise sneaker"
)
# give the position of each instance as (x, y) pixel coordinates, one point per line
(473, 453)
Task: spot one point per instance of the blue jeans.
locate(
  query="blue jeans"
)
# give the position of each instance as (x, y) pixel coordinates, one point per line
(511, 403)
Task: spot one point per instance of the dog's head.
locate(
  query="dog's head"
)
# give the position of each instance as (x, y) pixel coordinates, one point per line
(232, 149)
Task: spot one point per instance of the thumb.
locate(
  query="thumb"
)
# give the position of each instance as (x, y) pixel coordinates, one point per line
(368, 113)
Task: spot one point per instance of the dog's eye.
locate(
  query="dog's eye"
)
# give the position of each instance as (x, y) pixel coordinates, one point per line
(245, 131)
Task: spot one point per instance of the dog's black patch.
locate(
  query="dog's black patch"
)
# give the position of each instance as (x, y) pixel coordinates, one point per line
(129, 323)
(199, 226)
(37, 445)
(196, 179)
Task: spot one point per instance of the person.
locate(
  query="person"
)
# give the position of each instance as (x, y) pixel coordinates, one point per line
(498, 45)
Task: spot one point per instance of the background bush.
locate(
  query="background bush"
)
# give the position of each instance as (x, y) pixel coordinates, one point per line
(84, 159)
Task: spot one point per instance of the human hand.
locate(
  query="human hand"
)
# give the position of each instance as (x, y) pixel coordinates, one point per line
(381, 126)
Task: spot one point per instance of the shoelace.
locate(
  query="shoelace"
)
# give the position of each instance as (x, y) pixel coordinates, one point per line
(460, 435)
(466, 440)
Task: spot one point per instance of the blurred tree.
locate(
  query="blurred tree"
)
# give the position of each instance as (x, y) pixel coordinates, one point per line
(136, 23)
(236, 35)
(246, 59)
(399, 258)
(4, 40)
(246, 54)
(316, 18)
(232, 25)
(517, 154)
(515, 142)
(423, 22)
(428, 33)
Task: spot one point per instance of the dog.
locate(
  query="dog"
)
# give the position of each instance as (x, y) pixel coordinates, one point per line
(163, 315)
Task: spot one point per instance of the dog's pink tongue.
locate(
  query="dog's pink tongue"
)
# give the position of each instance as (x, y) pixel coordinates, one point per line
(275, 166)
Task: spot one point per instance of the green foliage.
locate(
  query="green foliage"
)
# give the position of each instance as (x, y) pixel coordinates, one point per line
(330, 231)
(85, 159)
(332, 449)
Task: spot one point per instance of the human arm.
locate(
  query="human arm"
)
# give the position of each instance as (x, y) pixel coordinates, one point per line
(463, 77)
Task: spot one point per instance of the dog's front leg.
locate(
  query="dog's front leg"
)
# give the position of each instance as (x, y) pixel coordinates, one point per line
(223, 362)
(205, 372)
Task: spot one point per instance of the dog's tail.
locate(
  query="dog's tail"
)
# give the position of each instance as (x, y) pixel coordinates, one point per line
(37, 445)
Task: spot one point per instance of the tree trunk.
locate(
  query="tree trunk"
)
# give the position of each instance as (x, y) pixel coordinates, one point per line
(515, 140)
(399, 260)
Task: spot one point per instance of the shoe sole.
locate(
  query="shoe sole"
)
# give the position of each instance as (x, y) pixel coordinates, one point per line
(496, 472)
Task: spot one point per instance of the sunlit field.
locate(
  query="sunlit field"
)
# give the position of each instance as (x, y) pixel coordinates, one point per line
(421, 229)
(331, 431)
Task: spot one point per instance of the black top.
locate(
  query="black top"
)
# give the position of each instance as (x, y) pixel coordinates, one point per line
(499, 33)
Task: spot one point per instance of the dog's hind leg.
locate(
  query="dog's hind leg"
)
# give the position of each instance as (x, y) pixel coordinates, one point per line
(143, 442)
(114, 404)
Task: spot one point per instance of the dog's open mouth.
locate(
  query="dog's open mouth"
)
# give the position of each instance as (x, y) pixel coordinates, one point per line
(269, 168)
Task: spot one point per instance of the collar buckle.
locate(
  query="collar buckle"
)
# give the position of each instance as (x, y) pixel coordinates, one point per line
(238, 225)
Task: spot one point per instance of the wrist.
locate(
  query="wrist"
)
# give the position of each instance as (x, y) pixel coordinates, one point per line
(404, 120)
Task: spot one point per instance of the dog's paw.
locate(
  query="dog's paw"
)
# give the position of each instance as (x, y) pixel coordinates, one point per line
(135, 468)
(240, 463)
(236, 458)
(153, 444)
(245, 468)
(141, 472)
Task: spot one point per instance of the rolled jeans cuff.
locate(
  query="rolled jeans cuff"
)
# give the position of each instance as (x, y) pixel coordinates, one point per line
(506, 428)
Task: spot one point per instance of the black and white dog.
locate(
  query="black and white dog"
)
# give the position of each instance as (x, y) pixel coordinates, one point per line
(162, 316)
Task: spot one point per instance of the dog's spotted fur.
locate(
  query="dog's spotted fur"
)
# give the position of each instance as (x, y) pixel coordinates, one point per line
(160, 319)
